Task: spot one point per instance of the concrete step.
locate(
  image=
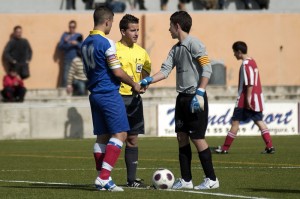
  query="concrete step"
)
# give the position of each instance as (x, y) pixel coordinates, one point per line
(155, 95)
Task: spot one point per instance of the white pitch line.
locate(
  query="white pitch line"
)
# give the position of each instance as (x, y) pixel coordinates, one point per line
(218, 194)
(34, 182)
(28, 170)
(185, 191)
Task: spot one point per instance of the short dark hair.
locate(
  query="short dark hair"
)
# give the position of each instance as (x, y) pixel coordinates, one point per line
(126, 20)
(73, 21)
(183, 19)
(240, 46)
(102, 13)
(17, 27)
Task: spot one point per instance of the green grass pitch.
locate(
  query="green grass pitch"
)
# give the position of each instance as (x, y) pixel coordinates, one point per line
(65, 169)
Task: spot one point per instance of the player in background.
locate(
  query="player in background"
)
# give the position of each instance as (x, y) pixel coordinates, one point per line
(193, 70)
(250, 102)
(104, 74)
(136, 63)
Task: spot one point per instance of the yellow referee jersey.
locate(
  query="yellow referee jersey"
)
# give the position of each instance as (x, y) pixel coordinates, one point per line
(133, 61)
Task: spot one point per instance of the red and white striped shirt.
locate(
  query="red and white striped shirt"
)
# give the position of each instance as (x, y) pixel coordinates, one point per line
(249, 76)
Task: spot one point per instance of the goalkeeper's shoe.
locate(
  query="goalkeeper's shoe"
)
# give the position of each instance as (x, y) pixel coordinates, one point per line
(208, 184)
(108, 185)
(138, 183)
(269, 150)
(182, 184)
(219, 150)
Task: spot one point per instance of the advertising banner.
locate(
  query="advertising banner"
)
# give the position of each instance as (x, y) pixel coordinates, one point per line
(280, 118)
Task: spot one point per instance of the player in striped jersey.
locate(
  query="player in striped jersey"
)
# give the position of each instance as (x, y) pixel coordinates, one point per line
(104, 74)
(249, 104)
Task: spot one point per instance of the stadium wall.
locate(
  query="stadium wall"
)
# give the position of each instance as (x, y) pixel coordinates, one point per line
(72, 119)
(273, 40)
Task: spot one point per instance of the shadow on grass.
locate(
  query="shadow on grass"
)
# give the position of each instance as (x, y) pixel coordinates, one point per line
(276, 190)
(87, 187)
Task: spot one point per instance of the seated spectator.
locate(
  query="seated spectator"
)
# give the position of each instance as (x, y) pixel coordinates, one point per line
(263, 4)
(116, 5)
(13, 87)
(71, 4)
(182, 3)
(76, 84)
(205, 4)
(163, 4)
(141, 4)
(89, 4)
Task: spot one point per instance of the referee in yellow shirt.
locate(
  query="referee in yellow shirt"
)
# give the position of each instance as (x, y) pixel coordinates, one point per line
(136, 63)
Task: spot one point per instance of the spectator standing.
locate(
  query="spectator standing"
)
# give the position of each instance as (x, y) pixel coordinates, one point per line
(13, 87)
(69, 44)
(18, 53)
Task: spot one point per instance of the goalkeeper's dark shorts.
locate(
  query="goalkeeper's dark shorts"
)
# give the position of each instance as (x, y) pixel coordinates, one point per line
(194, 124)
(134, 109)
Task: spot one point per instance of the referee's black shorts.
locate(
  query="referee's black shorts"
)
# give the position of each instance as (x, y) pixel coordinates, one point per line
(134, 109)
(194, 124)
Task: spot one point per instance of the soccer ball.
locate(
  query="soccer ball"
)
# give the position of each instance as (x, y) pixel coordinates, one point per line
(163, 179)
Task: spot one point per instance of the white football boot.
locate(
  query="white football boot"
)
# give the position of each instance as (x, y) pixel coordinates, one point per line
(182, 184)
(108, 185)
(208, 184)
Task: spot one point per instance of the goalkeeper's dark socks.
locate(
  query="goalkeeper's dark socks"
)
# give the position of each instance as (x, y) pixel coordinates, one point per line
(207, 165)
(267, 138)
(185, 158)
(228, 141)
(131, 160)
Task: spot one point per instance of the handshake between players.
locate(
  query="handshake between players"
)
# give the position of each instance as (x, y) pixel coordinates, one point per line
(197, 103)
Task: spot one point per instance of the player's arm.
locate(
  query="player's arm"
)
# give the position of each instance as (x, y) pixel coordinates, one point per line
(199, 52)
(248, 96)
(207, 71)
(115, 66)
(116, 69)
(249, 83)
(123, 77)
(164, 72)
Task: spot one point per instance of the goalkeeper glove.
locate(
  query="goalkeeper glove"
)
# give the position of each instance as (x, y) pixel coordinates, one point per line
(146, 81)
(197, 103)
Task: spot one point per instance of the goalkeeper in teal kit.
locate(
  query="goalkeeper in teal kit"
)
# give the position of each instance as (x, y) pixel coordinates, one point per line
(193, 70)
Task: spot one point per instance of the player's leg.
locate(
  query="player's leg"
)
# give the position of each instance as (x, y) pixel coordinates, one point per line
(185, 158)
(131, 161)
(204, 154)
(238, 115)
(115, 121)
(134, 109)
(99, 150)
(231, 135)
(269, 149)
(185, 152)
(198, 125)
